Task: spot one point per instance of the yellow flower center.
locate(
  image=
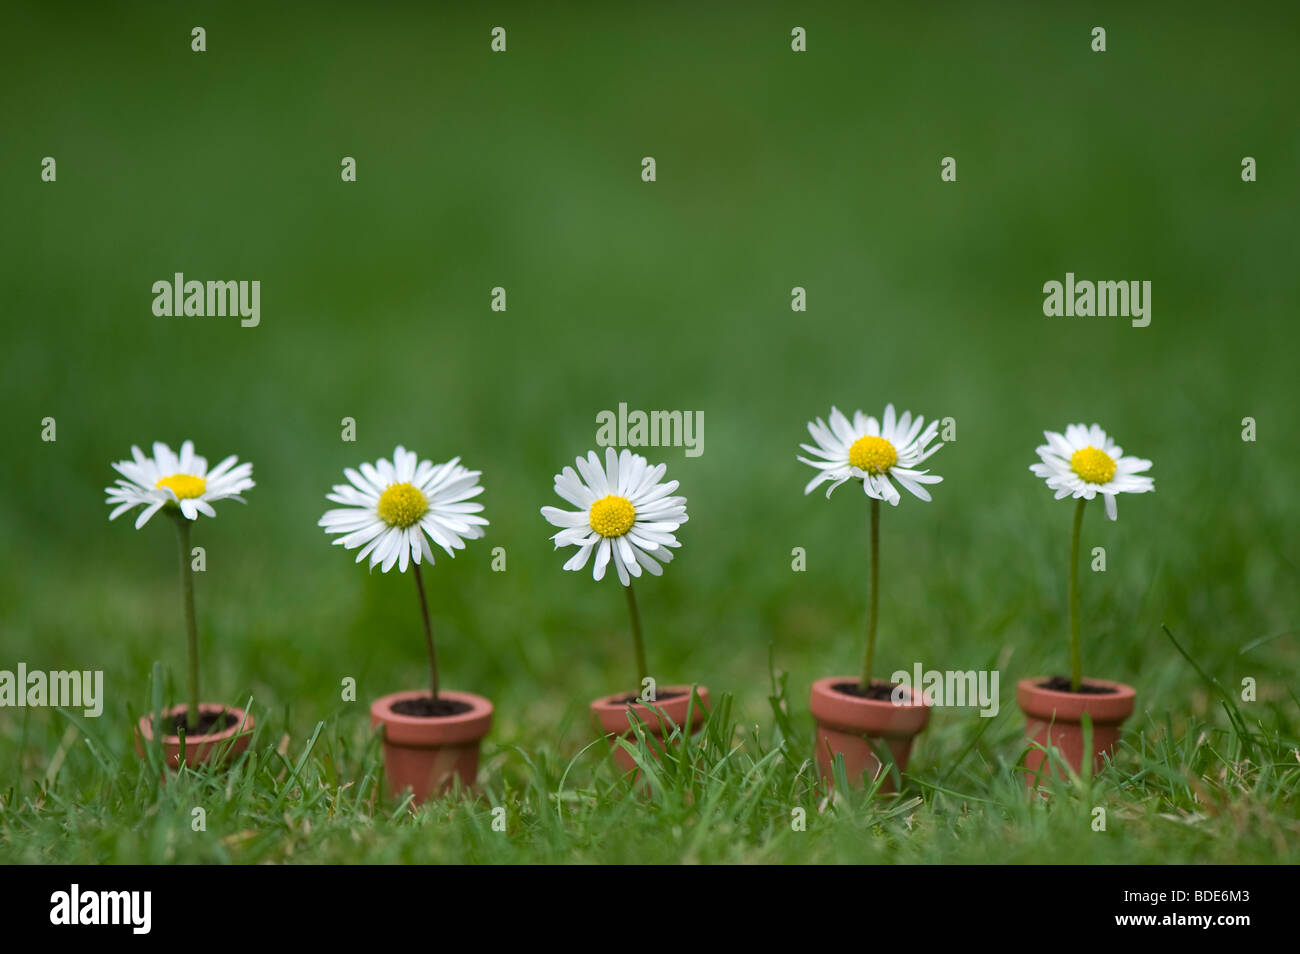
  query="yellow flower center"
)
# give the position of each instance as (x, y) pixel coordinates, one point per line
(1094, 466)
(184, 486)
(612, 516)
(402, 505)
(875, 455)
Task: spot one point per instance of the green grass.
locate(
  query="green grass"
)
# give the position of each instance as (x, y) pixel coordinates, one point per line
(775, 170)
(734, 793)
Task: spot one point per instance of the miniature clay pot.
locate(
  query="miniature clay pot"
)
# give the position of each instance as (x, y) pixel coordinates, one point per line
(224, 745)
(610, 717)
(430, 754)
(853, 725)
(1054, 718)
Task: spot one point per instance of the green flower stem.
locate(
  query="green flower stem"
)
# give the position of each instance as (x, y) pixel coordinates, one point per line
(875, 593)
(428, 631)
(637, 642)
(191, 624)
(1076, 654)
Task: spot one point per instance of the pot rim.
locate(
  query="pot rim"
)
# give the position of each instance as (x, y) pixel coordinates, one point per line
(659, 717)
(426, 731)
(827, 684)
(644, 709)
(243, 725)
(1055, 705)
(837, 710)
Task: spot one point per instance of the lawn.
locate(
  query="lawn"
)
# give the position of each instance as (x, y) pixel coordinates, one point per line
(775, 169)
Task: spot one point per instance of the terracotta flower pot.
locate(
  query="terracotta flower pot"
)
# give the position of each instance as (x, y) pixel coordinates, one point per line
(851, 725)
(1054, 718)
(200, 748)
(609, 715)
(428, 754)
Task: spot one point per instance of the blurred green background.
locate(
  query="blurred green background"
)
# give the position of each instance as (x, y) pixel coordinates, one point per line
(522, 170)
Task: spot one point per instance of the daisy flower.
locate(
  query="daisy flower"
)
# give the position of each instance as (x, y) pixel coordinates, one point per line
(625, 516)
(879, 454)
(180, 482)
(1084, 462)
(392, 509)
(182, 487)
